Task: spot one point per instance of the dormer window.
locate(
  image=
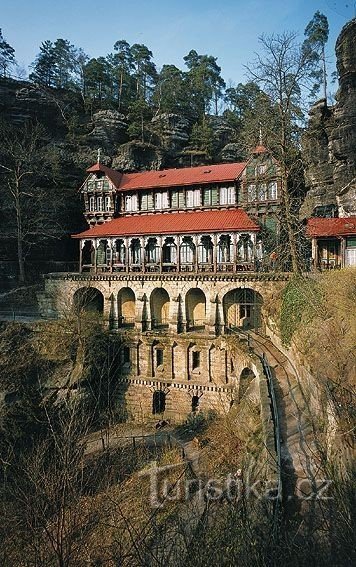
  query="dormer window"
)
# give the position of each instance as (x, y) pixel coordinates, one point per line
(131, 203)
(227, 195)
(261, 169)
(107, 203)
(92, 204)
(99, 185)
(193, 198)
(100, 204)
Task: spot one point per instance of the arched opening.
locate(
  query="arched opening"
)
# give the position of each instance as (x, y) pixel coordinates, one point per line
(103, 255)
(158, 402)
(187, 254)
(88, 255)
(152, 255)
(242, 309)
(126, 307)
(169, 255)
(205, 254)
(119, 255)
(246, 378)
(245, 252)
(195, 306)
(225, 254)
(88, 299)
(135, 255)
(159, 303)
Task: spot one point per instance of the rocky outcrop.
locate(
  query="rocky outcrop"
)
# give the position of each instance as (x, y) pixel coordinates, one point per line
(138, 156)
(109, 130)
(171, 131)
(329, 144)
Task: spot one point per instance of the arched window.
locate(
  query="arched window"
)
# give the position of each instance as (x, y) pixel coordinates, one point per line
(245, 249)
(119, 252)
(205, 250)
(135, 250)
(169, 251)
(152, 251)
(187, 249)
(158, 402)
(225, 249)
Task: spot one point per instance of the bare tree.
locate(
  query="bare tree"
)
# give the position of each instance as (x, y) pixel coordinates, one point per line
(23, 168)
(284, 70)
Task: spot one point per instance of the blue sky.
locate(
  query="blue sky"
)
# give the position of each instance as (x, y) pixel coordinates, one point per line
(228, 31)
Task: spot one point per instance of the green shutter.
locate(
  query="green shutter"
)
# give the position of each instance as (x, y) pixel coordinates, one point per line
(206, 197)
(150, 201)
(174, 196)
(351, 241)
(181, 203)
(144, 202)
(214, 196)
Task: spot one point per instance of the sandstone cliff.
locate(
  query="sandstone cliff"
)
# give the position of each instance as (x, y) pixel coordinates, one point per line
(329, 145)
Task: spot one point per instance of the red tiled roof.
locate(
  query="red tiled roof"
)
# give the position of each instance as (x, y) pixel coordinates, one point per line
(331, 227)
(171, 177)
(114, 176)
(185, 176)
(173, 223)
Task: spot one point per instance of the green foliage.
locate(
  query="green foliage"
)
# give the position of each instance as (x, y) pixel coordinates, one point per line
(7, 55)
(301, 301)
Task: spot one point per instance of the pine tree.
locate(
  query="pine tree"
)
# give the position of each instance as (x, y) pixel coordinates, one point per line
(7, 55)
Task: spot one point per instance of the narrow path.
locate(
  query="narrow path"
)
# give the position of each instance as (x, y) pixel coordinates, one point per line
(300, 462)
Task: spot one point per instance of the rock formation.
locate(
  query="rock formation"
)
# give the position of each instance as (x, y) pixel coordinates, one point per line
(329, 145)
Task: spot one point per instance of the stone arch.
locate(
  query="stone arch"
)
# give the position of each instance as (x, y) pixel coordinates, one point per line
(246, 377)
(126, 302)
(195, 308)
(158, 402)
(242, 309)
(159, 303)
(88, 299)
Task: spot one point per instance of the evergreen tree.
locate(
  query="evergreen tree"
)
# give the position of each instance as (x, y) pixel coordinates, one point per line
(123, 64)
(169, 94)
(7, 55)
(317, 34)
(204, 81)
(145, 73)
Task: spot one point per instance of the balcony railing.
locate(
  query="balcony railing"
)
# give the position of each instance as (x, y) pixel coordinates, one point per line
(195, 324)
(162, 324)
(185, 267)
(127, 322)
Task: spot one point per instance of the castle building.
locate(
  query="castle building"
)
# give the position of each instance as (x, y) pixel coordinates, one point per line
(172, 262)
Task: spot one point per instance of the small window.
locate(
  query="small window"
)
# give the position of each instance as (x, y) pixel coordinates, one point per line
(262, 192)
(251, 193)
(195, 403)
(126, 355)
(159, 357)
(261, 169)
(107, 204)
(272, 191)
(100, 203)
(92, 204)
(131, 203)
(196, 359)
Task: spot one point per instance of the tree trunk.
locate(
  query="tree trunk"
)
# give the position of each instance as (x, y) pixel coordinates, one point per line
(20, 260)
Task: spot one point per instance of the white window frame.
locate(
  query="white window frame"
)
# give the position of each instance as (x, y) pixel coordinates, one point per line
(272, 191)
(227, 195)
(261, 169)
(193, 198)
(99, 204)
(131, 203)
(92, 204)
(107, 203)
(262, 192)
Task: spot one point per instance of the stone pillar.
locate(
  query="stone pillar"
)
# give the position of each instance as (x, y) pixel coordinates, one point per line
(142, 311)
(219, 320)
(114, 315)
(174, 313)
(107, 309)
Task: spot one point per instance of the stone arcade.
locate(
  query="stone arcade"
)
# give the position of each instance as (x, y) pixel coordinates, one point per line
(174, 263)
